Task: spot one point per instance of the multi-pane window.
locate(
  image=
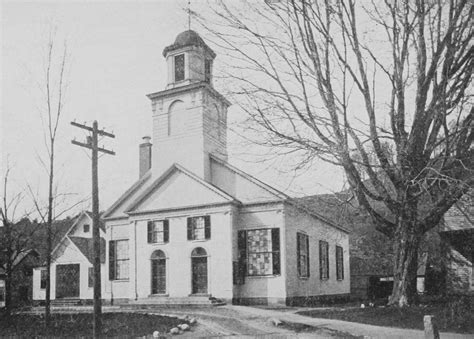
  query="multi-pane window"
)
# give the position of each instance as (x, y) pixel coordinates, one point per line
(259, 251)
(86, 228)
(199, 228)
(91, 277)
(179, 67)
(323, 260)
(339, 263)
(158, 231)
(207, 70)
(118, 260)
(43, 279)
(302, 254)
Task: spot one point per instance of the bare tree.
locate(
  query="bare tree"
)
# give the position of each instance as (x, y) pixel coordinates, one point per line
(53, 86)
(15, 236)
(343, 82)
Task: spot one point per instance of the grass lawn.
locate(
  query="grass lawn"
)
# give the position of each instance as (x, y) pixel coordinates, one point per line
(80, 324)
(449, 319)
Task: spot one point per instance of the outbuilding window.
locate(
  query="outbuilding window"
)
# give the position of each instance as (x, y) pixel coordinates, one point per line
(43, 274)
(86, 228)
(259, 251)
(91, 277)
(323, 260)
(118, 260)
(158, 231)
(302, 254)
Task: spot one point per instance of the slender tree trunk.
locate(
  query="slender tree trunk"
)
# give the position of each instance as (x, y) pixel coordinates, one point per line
(49, 240)
(407, 241)
(8, 276)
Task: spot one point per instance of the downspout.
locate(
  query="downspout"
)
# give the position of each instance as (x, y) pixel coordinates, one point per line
(135, 239)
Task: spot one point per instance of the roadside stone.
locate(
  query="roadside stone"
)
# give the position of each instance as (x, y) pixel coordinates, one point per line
(184, 327)
(156, 334)
(192, 321)
(174, 330)
(275, 321)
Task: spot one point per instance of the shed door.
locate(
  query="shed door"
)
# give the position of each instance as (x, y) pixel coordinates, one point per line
(67, 281)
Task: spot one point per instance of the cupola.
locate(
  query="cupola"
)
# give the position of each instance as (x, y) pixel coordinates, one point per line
(189, 60)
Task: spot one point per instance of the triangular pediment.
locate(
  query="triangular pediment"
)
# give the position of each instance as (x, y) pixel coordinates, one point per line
(178, 188)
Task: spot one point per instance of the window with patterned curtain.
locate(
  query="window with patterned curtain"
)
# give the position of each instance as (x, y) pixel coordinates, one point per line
(261, 248)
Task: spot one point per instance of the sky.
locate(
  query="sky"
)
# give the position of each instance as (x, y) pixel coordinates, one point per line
(115, 53)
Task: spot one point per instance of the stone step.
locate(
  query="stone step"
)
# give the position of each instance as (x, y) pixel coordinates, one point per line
(65, 302)
(188, 301)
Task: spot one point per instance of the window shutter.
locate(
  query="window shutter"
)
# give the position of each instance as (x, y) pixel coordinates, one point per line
(276, 250)
(111, 260)
(150, 232)
(166, 230)
(207, 227)
(320, 260)
(307, 255)
(298, 253)
(242, 248)
(327, 259)
(190, 229)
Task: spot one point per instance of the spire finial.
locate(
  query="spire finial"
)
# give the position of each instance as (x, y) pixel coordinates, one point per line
(189, 14)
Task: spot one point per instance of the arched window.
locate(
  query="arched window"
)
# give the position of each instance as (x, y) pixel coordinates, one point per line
(199, 270)
(158, 272)
(158, 254)
(199, 252)
(176, 117)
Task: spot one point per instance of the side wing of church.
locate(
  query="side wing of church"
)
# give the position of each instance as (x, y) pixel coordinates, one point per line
(194, 227)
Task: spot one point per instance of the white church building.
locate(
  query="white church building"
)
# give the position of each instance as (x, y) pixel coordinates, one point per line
(195, 228)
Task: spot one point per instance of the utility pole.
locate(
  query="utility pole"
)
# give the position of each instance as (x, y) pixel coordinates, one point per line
(92, 144)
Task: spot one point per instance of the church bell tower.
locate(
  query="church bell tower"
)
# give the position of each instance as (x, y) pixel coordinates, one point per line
(189, 116)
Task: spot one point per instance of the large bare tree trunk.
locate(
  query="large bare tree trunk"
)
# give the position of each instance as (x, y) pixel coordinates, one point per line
(407, 241)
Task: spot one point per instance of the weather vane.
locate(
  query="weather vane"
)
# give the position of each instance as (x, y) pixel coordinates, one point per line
(189, 14)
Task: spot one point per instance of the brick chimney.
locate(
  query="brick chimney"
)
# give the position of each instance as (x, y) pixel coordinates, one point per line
(144, 156)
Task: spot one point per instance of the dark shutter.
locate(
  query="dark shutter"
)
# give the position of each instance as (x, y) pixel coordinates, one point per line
(207, 227)
(190, 228)
(150, 232)
(242, 248)
(307, 254)
(320, 260)
(111, 260)
(298, 253)
(166, 230)
(276, 250)
(327, 259)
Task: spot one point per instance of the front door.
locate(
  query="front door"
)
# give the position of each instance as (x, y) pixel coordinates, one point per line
(67, 281)
(158, 276)
(199, 265)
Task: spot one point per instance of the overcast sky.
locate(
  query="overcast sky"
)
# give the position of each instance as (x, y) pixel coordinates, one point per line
(116, 59)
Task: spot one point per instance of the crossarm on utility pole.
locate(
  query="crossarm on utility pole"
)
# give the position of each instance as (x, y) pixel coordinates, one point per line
(92, 144)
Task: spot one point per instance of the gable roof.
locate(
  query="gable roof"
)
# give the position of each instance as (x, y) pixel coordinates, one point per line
(86, 246)
(147, 193)
(125, 198)
(219, 179)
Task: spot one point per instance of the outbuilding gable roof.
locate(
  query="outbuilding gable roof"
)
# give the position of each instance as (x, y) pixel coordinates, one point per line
(86, 246)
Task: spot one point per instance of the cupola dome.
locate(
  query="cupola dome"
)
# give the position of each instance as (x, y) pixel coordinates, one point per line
(188, 38)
